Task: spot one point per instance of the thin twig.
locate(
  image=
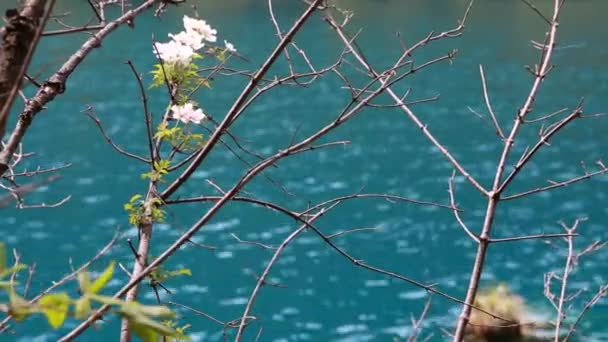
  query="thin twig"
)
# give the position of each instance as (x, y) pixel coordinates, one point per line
(486, 97)
(472, 235)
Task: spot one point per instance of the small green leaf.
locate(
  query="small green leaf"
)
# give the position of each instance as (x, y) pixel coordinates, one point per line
(146, 175)
(134, 198)
(12, 270)
(106, 300)
(103, 279)
(55, 308)
(134, 209)
(140, 320)
(155, 311)
(160, 275)
(2, 256)
(82, 308)
(154, 325)
(84, 281)
(146, 334)
(182, 271)
(136, 310)
(139, 315)
(19, 308)
(181, 330)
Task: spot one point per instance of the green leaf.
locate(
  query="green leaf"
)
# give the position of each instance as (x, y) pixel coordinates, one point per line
(134, 198)
(182, 271)
(55, 308)
(103, 279)
(19, 308)
(146, 334)
(12, 270)
(158, 215)
(133, 309)
(140, 320)
(2, 256)
(84, 281)
(140, 315)
(181, 330)
(134, 209)
(106, 300)
(160, 275)
(155, 311)
(82, 308)
(154, 325)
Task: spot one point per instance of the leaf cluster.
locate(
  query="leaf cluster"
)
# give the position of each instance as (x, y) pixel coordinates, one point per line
(179, 139)
(186, 77)
(136, 209)
(57, 307)
(159, 169)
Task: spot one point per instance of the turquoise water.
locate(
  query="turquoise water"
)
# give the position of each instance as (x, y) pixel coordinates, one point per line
(326, 298)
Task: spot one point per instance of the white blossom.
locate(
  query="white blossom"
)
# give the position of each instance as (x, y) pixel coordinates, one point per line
(187, 113)
(173, 52)
(201, 28)
(190, 39)
(229, 47)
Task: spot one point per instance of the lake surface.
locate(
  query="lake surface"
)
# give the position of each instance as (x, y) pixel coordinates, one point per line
(326, 298)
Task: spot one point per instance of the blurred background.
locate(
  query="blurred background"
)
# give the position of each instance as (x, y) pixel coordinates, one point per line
(326, 298)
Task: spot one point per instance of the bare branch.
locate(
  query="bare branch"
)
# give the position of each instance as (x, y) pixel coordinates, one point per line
(537, 11)
(532, 237)
(472, 235)
(252, 242)
(359, 56)
(544, 139)
(350, 231)
(19, 191)
(262, 278)
(198, 312)
(486, 97)
(147, 114)
(601, 293)
(417, 323)
(570, 261)
(91, 114)
(555, 185)
(19, 38)
(55, 85)
(494, 195)
(228, 119)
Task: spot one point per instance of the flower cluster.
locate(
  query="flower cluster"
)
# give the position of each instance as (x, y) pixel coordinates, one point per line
(174, 53)
(200, 28)
(186, 113)
(182, 47)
